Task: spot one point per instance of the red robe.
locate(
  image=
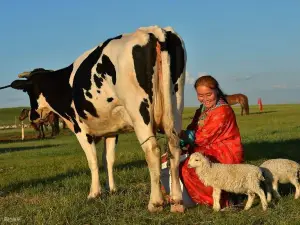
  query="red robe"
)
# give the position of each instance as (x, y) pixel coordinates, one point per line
(217, 136)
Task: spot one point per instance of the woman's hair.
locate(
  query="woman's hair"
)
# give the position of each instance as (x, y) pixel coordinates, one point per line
(211, 83)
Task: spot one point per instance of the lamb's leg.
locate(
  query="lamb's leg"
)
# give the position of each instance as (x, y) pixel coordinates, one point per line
(263, 199)
(295, 182)
(250, 200)
(269, 191)
(275, 188)
(216, 197)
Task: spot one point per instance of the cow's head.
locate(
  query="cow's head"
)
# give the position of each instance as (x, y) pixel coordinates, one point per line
(32, 86)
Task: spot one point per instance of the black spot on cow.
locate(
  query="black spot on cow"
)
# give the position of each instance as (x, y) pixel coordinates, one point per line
(163, 46)
(144, 110)
(98, 81)
(107, 68)
(176, 52)
(89, 94)
(176, 87)
(55, 87)
(174, 132)
(82, 80)
(89, 138)
(110, 99)
(144, 58)
(98, 91)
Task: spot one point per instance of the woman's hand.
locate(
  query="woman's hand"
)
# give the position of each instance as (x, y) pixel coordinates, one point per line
(182, 135)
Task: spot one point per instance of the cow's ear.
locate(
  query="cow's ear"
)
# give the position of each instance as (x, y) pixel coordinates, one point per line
(21, 84)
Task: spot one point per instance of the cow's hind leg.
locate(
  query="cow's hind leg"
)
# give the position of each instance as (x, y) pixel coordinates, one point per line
(176, 192)
(87, 143)
(108, 159)
(152, 153)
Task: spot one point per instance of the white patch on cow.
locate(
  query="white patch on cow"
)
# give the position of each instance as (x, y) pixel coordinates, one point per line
(42, 102)
(91, 155)
(108, 159)
(157, 31)
(123, 114)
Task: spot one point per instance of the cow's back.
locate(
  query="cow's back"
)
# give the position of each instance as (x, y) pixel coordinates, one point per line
(126, 67)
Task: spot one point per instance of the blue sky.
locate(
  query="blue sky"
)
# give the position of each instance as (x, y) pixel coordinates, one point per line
(251, 47)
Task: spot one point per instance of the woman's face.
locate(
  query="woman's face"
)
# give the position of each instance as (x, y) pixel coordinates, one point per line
(206, 96)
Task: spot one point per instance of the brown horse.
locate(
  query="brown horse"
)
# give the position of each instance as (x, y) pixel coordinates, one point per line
(50, 118)
(239, 99)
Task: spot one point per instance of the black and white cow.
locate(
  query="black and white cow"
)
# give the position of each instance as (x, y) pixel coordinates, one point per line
(132, 82)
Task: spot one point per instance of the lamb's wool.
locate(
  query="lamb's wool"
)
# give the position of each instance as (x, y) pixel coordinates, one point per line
(236, 178)
(280, 171)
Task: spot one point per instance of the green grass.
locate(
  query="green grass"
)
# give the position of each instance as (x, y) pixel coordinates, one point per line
(47, 181)
(9, 116)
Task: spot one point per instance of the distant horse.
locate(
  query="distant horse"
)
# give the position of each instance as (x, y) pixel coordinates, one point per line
(48, 118)
(239, 99)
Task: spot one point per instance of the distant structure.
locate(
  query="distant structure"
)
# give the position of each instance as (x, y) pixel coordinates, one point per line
(260, 105)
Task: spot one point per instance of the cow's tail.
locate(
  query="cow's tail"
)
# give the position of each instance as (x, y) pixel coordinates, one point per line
(171, 105)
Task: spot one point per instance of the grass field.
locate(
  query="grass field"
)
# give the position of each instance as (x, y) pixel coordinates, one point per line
(47, 181)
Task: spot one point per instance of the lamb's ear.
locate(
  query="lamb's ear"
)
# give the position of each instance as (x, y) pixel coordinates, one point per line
(21, 84)
(208, 160)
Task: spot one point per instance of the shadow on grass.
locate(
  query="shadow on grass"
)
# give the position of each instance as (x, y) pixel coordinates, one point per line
(269, 150)
(264, 112)
(24, 148)
(253, 151)
(16, 139)
(16, 187)
(13, 138)
(131, 165)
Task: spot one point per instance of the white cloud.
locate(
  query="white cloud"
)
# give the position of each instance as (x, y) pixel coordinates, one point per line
(200, 74)
(241, 78)
(189, 79)
(280, 86)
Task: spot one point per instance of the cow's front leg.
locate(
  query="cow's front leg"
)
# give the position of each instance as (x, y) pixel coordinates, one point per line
(88, 145)
(108, 159)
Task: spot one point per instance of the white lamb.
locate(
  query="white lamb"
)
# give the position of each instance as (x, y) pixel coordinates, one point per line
(283, 171)
(236, 178)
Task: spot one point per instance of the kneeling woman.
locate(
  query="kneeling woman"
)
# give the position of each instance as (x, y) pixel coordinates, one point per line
(214, 133)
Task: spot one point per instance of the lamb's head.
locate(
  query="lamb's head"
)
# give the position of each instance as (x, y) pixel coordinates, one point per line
(198, 160)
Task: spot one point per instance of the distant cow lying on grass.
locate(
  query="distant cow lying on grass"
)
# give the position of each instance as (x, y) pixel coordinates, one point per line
(132, 82)
(46, 117)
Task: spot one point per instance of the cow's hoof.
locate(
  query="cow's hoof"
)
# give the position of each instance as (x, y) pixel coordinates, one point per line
(158, 207)
(113, 191)
(177, 207)
(94, 195)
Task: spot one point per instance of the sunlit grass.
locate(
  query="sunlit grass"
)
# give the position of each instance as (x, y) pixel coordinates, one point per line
(47, 181)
